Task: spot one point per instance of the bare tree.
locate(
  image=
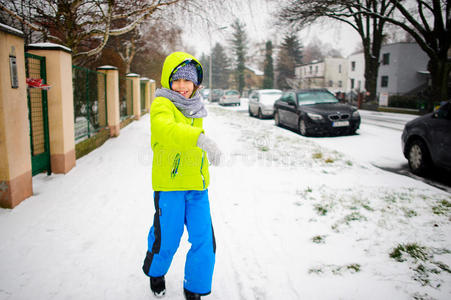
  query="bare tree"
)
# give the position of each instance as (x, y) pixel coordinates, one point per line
(301, 13)
(85, 26)
(318, 50)
(429, 23)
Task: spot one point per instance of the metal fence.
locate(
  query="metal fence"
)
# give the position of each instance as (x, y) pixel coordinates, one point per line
(90, 105)
(125, 97)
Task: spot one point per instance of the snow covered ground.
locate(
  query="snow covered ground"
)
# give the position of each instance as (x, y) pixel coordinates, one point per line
(294, 218)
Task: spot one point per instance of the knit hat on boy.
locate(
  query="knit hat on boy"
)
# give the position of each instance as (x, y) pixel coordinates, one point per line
(187, 72)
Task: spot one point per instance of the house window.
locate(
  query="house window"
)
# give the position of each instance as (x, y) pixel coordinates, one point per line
(311, 68)
(384, 81)
(352, 83)
(386, 59)
(316, 69)
(340, 83)
(339, 68)
(331, 83)
(352, 65)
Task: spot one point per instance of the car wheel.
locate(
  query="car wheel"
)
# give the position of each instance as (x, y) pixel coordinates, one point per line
(418, 157)
(250, 112)
(302, 127)
(276, 118)
(260, 115)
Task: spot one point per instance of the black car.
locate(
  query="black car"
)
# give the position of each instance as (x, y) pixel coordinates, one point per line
(426, 140)
(315, 112)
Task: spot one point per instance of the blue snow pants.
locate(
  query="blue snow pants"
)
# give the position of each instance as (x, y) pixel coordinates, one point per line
(174, 210)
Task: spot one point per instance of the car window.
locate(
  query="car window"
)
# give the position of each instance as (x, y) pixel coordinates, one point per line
(270, 97)
(287, 96)
(315, 97)
(231, 93)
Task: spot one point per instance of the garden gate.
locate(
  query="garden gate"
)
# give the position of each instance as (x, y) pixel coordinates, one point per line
(38, 114)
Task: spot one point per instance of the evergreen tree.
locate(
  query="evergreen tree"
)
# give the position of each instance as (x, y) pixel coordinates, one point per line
(290, 56)
(221, 68)
(268, 67)
(205, 62)
(239, 46)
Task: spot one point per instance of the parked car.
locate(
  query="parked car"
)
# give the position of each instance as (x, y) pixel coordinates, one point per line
(204, 93)
(230, 97)
(426, 140)
(261, 102)
(216, 95)
(315, 112)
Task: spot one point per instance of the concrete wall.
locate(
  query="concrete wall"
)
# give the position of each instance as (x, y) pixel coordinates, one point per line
(15, 153)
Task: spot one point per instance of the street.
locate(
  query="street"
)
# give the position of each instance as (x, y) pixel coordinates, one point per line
(378, 141)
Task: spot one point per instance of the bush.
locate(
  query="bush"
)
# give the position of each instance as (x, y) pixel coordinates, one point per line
(413, 102)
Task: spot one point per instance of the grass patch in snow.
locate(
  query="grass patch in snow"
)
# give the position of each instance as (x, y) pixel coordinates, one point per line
(319, 239)
(421, 261)
(305, 193)
(329, 160)
(409, 213)
(317, 155)
(443, 207)
(348, 219)
(321, 210)
(412, 250)
(335, 270)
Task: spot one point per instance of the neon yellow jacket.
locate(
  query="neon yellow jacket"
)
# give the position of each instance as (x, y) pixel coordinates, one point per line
(178, 164)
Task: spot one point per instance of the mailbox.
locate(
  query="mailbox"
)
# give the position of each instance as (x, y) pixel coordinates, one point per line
(13, 72)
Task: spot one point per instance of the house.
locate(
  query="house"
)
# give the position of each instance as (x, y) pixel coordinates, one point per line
(356, 73)
(330, 73)
(402, 69)
(253, 79)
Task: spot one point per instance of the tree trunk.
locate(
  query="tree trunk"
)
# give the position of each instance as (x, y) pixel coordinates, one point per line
(439, 70)
(371, 73)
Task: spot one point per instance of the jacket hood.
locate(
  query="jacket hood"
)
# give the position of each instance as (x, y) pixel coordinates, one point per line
(175, 60)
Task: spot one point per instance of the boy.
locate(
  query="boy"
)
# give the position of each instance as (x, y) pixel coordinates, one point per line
(180, 178)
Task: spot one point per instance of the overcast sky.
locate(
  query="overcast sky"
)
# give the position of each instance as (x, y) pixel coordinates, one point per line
(259, 15)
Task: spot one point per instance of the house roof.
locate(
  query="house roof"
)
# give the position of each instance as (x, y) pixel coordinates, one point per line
(255, 71)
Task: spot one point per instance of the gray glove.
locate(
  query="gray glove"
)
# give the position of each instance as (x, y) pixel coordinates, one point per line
(213, 152)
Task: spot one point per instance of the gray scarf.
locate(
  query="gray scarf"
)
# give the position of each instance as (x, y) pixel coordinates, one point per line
(190, 108)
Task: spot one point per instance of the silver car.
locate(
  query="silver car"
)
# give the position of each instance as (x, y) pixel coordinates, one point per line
(230, 97)
(261, 102)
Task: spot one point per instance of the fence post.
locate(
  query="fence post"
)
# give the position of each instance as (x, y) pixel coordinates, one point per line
(60, 104)
(112, 96)
(152, 92)
(15, 153)
(135, 94)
